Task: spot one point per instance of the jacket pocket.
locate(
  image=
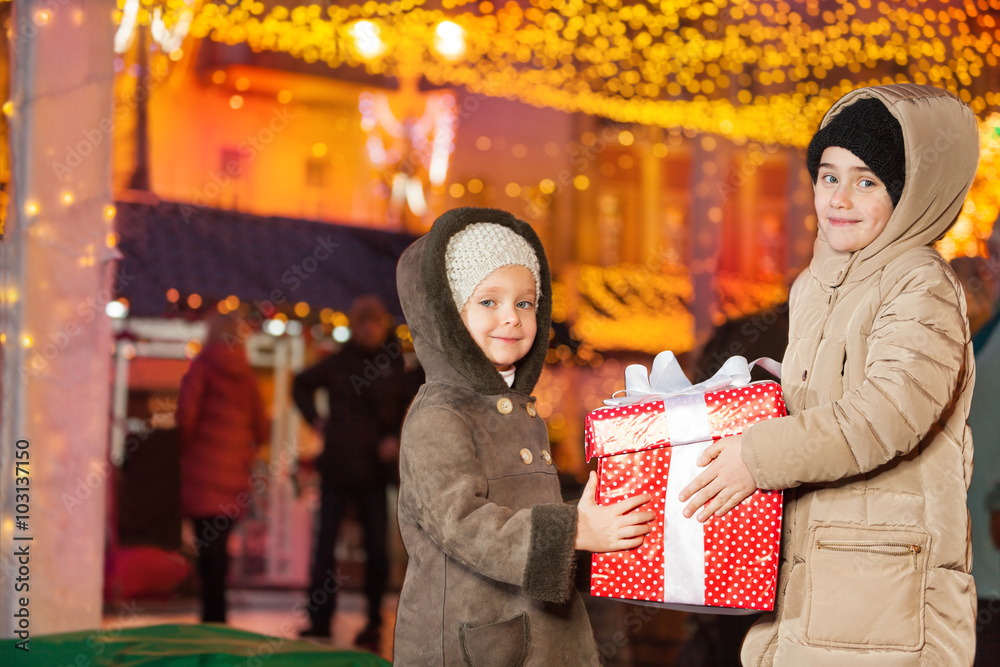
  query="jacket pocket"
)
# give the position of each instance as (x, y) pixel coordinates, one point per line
(503, 644)
(866, 587)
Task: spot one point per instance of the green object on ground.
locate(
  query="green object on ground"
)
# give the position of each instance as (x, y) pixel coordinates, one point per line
(178, 645)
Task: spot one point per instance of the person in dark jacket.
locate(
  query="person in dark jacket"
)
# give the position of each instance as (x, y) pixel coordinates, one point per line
(221, 420)
(366, 389)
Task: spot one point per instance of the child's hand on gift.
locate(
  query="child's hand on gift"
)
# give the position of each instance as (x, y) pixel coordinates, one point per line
(602, 528)
(724, 484)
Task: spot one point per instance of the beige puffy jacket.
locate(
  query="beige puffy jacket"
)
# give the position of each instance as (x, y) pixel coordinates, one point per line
(876, 454)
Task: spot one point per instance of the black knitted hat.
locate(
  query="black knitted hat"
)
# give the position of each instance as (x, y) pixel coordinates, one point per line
(872, 133)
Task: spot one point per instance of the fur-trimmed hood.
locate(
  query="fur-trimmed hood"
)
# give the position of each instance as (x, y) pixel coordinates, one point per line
(444, 346)
(489, 580)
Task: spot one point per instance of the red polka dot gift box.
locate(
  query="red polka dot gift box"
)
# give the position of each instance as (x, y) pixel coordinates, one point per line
(725, 565)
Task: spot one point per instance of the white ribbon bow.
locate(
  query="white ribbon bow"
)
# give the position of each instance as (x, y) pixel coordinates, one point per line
(666, 379)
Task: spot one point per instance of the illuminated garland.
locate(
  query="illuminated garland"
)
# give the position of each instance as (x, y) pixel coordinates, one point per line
(982, 206)
(739, 296)
(676, 63)
(633, 308)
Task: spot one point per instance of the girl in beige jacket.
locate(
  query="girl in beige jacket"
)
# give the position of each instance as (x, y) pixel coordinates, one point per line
(875, 454)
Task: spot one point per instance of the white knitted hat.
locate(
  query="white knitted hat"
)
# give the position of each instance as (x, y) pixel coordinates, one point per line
(479, 250)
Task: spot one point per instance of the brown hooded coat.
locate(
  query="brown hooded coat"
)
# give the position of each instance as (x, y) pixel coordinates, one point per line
(490, 544)
(876, 454)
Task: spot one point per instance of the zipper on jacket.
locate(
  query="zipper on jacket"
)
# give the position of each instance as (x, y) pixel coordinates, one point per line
(880, 548)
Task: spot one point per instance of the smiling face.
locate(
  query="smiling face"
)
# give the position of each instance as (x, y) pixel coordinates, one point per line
(852, 204)
(500, 315)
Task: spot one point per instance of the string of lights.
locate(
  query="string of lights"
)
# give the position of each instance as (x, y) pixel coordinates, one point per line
(982, 205)
(748, 71)
(763, 71)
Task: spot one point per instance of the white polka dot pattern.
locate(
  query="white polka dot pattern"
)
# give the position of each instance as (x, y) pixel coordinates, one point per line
(636, 573)
(741, 548)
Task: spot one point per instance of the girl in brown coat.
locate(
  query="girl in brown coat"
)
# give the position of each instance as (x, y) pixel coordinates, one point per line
(491, 545)
(875, 454)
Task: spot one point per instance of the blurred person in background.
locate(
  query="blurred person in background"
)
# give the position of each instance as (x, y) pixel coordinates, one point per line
(221, 420)
(974, 274)
(367, 392)
(982, 293)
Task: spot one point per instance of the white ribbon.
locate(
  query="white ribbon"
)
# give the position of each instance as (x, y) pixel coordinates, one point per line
(666, 379)
(683, 538)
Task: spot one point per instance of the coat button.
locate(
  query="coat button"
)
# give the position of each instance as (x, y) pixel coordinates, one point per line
(526, 456)
(546, 457)
(531, 410)
(505, 406)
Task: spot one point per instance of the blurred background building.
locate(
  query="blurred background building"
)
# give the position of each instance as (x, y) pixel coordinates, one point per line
(274, 158)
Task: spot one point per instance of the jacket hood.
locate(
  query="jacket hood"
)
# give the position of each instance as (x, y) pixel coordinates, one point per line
(444, 346)
(941, 142)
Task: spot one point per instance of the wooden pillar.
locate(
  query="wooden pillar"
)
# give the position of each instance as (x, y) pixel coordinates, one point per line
(651, 206)
(708, 199)
(801, 223)
(56, 273)
(587, 234)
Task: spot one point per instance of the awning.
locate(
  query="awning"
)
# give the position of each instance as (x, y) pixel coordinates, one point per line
(217, 253)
